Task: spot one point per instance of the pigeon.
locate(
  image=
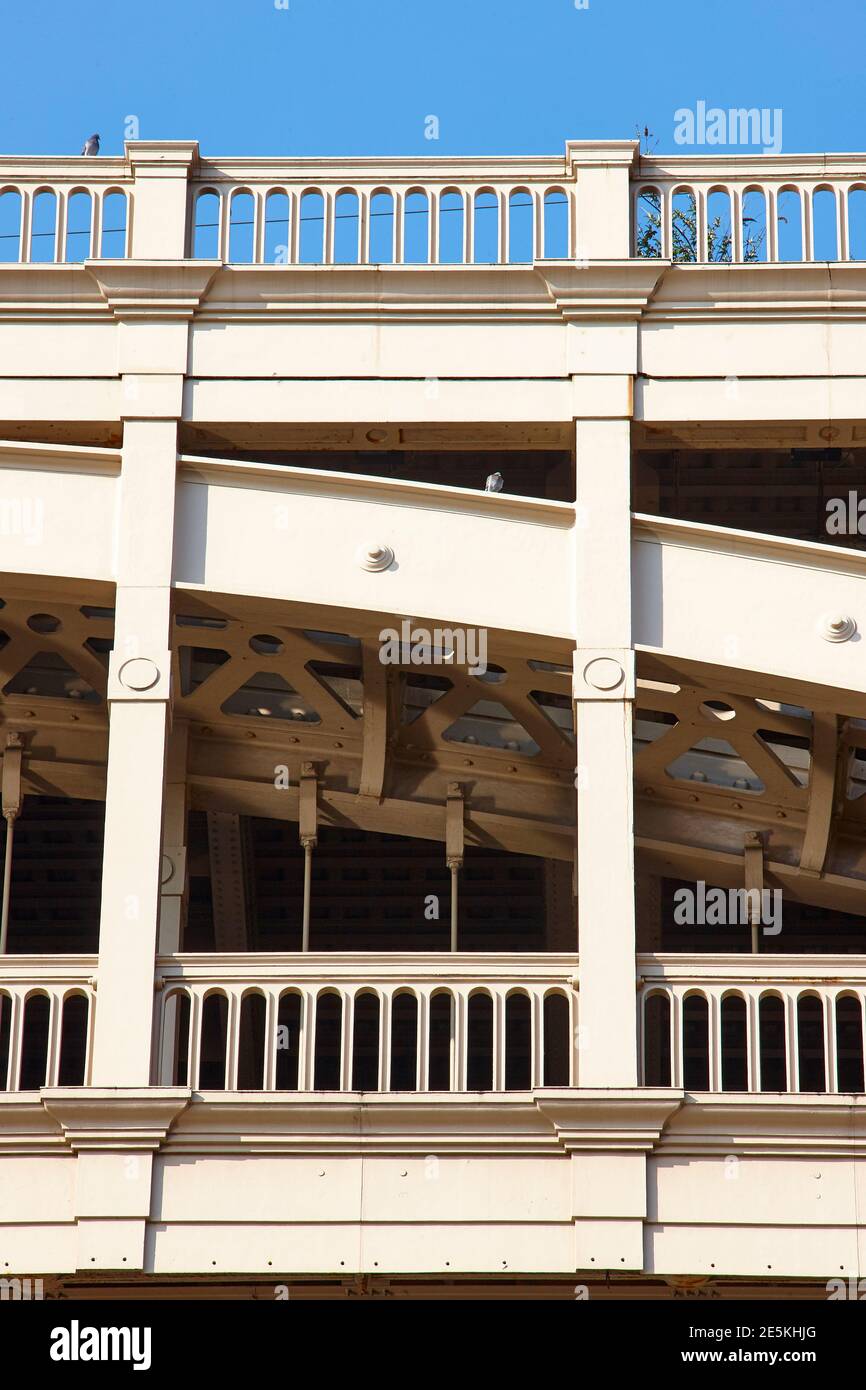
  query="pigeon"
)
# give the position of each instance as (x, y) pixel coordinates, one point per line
(91, 146)
(494, 483)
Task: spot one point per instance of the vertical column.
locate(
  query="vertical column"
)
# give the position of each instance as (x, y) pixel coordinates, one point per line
(160, 170)
(603, 697)
(138, 693)
(173, 867)
(604, 203)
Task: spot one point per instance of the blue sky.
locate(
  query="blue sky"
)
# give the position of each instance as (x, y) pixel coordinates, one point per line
(332, 77)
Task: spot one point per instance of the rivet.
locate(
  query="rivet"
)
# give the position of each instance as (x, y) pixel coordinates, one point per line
(837, 627)
(781, 815)
(376, 556)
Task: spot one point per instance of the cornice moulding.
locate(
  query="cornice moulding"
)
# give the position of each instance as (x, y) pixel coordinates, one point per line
(771, 290)
(152, 289)
(749, 1124)
(732, 167)
(543, 291)
(114, 1118)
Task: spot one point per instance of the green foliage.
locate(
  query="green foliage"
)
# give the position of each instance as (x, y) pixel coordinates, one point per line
(684, 234)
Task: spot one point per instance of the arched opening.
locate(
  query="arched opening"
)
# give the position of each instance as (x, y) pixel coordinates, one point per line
(347, 227)
(857, 224)
(382, 228)
(771, 1044)
(696, 1043)
(485, 232)
(719, 224)
(176, 1019)
(312, 239)
(10, 226)
(241, 227)
(684, 228)
(73, 1041)
(451, 211)
(365, 1042)
(329, 1037)
(520, 230)
(251, 1042)
(735, 1061)
(556, 225)
(43, 229)
(657, 1040)
(810, 1043)
(824, 230)
(34, 1042)
(288, 1042)
(479, 1042)
(648, 224)
(441, 1041)
(214, 1031)
(79, 219)
(114, 218)
(789, 222)
(404, 1042)
(518, 1042)
(557, 1041)
(276, 249)
(206, 226)
(416, 229)
(849, 1044)
(5, 1034)
(754, 225)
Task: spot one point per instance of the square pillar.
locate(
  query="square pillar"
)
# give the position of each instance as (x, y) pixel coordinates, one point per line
(172, 917)
(139, 699)
(604, 686)
(161, 170)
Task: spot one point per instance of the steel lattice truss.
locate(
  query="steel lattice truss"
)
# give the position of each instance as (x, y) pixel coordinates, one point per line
(388, 741)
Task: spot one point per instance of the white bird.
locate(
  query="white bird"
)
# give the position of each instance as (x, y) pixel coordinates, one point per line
(91, 146)
(495, 482)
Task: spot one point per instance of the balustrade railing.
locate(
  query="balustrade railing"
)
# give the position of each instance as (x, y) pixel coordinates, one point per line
(419, 216)
(750, 208)
(366, 1022)
(64, 211)
(727, 1023)
(46, 1021)
(738, 208)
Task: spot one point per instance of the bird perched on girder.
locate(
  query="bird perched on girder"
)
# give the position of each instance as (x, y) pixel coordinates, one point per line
(495, 482)
(91, 146)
